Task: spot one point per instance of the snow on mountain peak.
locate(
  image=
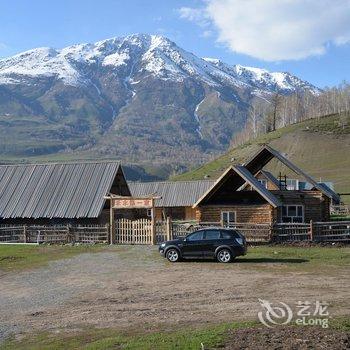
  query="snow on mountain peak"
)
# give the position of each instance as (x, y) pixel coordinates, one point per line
(154, 54)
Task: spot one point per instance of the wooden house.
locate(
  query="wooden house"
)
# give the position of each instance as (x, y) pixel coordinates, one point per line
(244, 194)
(59, 193)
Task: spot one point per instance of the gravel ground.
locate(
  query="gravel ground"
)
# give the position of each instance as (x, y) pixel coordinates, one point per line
(135, 288)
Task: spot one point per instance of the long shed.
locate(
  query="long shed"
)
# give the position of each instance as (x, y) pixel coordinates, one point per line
(59, 192)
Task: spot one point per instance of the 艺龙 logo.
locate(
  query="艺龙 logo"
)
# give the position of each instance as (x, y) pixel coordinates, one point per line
(274, 315)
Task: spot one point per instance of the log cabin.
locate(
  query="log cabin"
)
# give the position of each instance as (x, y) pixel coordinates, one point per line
(245, 194)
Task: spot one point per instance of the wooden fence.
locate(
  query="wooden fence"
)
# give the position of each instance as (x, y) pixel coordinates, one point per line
(341, 210)
(54, 234)
(142, 232)
(134, 231)
(290, 232)
(337, 231)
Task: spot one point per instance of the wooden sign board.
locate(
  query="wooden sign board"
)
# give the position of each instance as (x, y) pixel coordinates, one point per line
(129, 203)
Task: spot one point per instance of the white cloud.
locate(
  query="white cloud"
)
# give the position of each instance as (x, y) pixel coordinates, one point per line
(276, 30)
(199, 16)
(207, 34)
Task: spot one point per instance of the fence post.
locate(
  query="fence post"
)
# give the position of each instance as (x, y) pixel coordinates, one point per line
(271, 232)
(311, 231)
(168, 229)
(24, 234)
(107, 231)
(112, 232)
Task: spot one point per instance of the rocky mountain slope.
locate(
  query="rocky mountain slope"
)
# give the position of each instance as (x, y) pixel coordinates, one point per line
(138, 98)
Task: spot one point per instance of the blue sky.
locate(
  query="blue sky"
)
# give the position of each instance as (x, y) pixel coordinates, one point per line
(299, 42)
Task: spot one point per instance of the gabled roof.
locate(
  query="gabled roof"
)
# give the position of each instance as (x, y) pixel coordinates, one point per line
(268, 176)
(60, 190)
(241, 175)
(172, 193)
(267, 153)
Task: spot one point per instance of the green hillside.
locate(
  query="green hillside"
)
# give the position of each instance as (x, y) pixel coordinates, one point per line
(319, 146)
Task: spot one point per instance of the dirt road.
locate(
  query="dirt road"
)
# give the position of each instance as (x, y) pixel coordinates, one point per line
(133, 288)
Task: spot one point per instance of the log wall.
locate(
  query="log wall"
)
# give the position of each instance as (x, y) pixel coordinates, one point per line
(263, 213)
(316, 205)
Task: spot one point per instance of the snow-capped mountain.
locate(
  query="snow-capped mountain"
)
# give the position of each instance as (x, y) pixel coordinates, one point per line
(137, 97)
(152, 53)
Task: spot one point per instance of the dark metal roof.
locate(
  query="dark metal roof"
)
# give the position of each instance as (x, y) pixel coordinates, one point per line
(240, 175)
(173, 193)
(264, 156)
(271, 178)
(60, 190)
(259, 187)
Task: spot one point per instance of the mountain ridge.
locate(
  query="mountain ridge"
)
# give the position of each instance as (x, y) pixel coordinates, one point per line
(139, 99)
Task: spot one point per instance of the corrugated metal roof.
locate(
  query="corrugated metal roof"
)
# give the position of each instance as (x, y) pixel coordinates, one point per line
(173, 193)
(60, 190)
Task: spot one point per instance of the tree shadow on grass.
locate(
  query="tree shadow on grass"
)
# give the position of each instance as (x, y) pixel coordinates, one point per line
(271, 260)
(251, 260)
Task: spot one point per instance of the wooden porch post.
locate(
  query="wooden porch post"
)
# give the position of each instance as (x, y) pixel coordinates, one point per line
(311, 231)
(168, 229)
(111, 223)
(153, 223)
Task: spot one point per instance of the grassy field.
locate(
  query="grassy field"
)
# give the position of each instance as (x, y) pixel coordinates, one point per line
(288, 259)
(19, 257)
(270, 261)
(319, 146)
(102, 339)
(96, 339)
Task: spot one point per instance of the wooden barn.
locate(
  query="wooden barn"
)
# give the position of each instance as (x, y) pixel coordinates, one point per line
(60, 193)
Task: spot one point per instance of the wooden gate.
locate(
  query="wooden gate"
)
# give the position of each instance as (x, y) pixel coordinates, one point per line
(134, 231)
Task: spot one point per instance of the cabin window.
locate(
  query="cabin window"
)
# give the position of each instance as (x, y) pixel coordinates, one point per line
(293, 213)
(292, 184)
(263, 182)
(228, 218)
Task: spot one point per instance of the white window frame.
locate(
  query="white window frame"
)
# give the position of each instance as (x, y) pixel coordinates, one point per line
(295, 216)
(228, 214)
(295, 188)
(263, 182)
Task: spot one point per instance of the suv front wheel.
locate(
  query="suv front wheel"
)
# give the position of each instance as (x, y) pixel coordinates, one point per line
(172, 255)
(224, 255)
